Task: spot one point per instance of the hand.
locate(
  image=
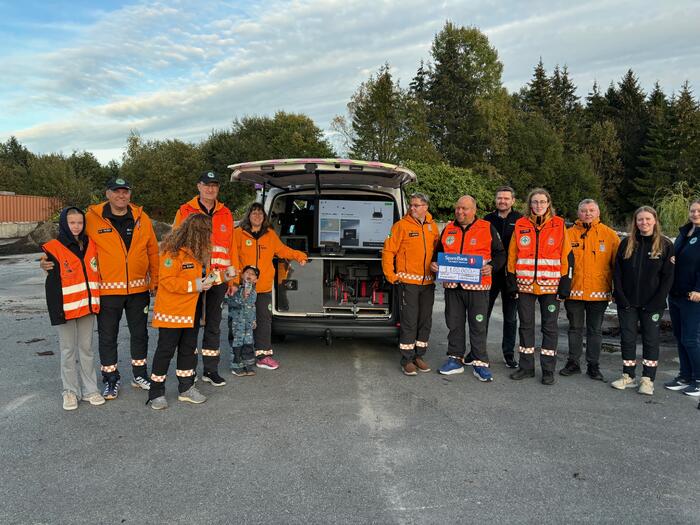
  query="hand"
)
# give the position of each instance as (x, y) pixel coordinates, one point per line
(230, 273)
(673, 259)
(434, 267)
(232, 289)
(487, 269)
(45, 264)
(694, 296)
(303, 262)
(561, 298)
(154, 291)
(255, 325)
(206, 284)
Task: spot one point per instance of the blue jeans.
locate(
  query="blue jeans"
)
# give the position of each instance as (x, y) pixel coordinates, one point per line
(685, 316)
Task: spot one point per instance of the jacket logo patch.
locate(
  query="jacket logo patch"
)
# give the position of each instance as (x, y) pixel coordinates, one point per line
(550, 241)
(450, 240)
(104, 230)
(575, 244)
(430, 227)
(187, 266)
(452, 232)
(693, 240)
(66, 267)
(93, 264)
(525, 241)
(525, 231)
(472, 242)
(413, 234)
(601, 246)
(248, 242)
(223, 227)
(168, 262)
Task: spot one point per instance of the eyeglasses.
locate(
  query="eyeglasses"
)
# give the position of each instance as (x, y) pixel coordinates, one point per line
(416, 205)
(539, 203)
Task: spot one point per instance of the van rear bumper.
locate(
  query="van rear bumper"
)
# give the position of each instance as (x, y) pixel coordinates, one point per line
(338, 327)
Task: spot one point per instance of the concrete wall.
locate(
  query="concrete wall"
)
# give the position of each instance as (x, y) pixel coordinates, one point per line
(12, 230)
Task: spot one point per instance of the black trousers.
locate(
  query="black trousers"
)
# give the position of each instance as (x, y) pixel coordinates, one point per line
(416, 318)
(589, 314)
(213, 300)
(262, 335)
(549, 312)
(630, 319)
(510, 315)
(111, 308)
(462, 307)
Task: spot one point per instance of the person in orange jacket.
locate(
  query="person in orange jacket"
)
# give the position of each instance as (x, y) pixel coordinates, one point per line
(540, 268)
(184, 278)
(594, 246)
(224, 259)
(257, 244)
(406, 257)
(127, 255)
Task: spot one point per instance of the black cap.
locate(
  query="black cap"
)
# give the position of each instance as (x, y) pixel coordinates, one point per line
(115, 184)
(209, 177)
(250, 267)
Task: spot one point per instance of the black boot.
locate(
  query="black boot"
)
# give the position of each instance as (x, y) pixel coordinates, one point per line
(522, 373)
(571, 368)
(548, 377)
(593, 371)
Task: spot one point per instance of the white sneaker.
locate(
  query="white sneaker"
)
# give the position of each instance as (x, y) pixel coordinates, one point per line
(94, 399)
(646, 386)
(624, 382)
(70, 401)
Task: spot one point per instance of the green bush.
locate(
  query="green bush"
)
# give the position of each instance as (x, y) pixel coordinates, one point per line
(672, 206)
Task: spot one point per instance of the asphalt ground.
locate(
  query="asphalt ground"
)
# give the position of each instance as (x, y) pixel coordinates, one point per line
(337, 435)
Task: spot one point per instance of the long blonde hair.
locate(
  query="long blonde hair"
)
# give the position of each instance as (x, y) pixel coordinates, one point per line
(657, 237)
(194, 234)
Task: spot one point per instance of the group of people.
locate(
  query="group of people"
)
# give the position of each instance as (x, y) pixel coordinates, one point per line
(535, 259)
(107, 261)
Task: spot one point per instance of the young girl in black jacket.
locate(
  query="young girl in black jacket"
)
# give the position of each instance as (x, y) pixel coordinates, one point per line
(643, 276)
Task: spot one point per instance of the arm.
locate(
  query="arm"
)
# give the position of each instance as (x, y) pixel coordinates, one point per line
(172, 281)
(567, 268)
(658, 300)
(498, 252)
(511, 283)
(153, 257)
(285, 252)
(620, 299)
(54, 293)
(391, 248)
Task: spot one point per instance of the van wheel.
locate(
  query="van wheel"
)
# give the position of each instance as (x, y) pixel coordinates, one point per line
(328, 337)
(279, 338)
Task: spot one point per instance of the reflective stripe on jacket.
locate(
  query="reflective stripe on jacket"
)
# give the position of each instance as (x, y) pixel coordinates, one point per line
(124, 272)
(594, 251)
(178, 292)
(80, 279)
(408, 250)
(476, 240)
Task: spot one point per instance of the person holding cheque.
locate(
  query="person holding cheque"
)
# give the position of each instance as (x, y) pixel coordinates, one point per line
(468, 253)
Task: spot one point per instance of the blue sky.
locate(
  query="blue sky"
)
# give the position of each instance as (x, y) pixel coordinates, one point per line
(81, 75)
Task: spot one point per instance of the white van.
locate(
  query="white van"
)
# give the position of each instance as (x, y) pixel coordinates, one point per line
(339, 211)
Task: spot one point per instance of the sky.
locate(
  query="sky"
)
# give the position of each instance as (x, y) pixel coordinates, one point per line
(81, 75)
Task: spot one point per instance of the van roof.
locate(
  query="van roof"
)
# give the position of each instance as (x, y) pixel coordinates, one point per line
(288, 173)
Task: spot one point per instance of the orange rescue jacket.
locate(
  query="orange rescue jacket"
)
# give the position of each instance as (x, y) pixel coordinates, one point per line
(475, 241)
(178, 292)
(122, 272)
(594, 252)
(260, 252)
(408, 251)
(538, 255)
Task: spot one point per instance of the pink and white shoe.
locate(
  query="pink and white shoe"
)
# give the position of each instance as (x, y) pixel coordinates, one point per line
(267, 362)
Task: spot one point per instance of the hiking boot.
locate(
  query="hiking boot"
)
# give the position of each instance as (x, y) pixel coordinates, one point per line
(159, 403)
(111, 389)
(70, 401)
(570, 368)
(409, 369)
(482, 373)
(548, 377)
(676, 384)
(624, 382)
(95, 399)
(692, 390)
(421, 365)
(268, 363)
(453, 365)
(593, 371)
(141, 382)
(521, 373)
(646, 386)
(213, 378)
(192, 396)
(510, 361)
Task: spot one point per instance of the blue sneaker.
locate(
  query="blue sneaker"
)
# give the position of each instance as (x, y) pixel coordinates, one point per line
(453, 365)
(482, 373)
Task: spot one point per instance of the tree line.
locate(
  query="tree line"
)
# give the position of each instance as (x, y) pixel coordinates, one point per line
(455, 124)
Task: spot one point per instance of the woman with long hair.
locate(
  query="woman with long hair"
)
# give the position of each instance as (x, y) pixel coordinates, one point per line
(540, 267)
(643, 276)
(684, 305)
(257, 245)
(184, 274)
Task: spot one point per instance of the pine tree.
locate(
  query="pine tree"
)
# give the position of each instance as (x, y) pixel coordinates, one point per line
(686, 130)
(537, 96)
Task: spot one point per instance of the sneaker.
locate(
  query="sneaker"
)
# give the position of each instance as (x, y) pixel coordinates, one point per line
(692, 390)
(482, 373)
(453, 365)
(521, 373)
(94, 399)
(624, 382)
(570, 368)
(409, 369)
(70, 401)
(510, 361)
(548, 377)
(249, 371)
(141, 382)
(421, 365)
(239, 372)
(646, 386)
(676, 384)
(192, 396)
(593, 371)
(111, 389)
(213, 378)
(268, 363)
(159, 403)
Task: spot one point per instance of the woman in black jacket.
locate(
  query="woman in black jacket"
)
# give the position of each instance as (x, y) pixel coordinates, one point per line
(685, 304)
(643, 276)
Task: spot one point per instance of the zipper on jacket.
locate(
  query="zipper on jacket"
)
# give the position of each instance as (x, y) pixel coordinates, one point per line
(537, 251)
(639, 256)
(425, 250)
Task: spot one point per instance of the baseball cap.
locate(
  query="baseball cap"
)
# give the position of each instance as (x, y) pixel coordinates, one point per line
(250, 267)
(117, 183)
(209, 177)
